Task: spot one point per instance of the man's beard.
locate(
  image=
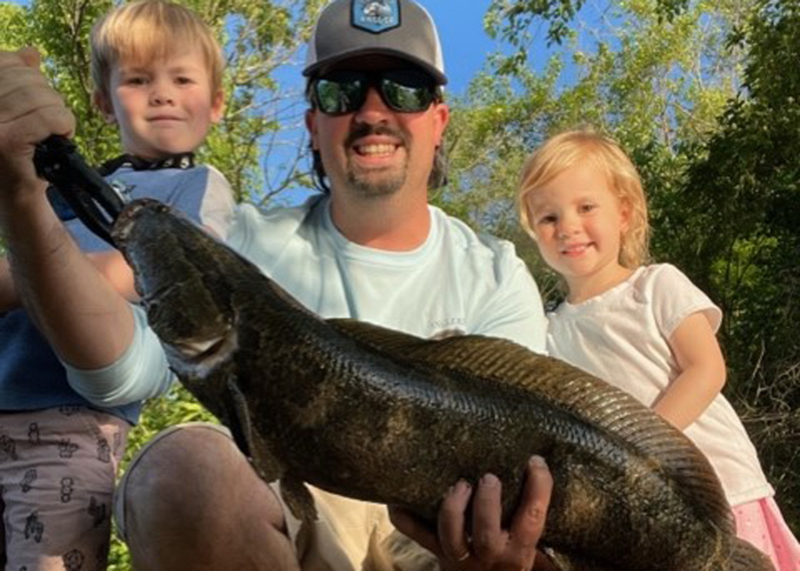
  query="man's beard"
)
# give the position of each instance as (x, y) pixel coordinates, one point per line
(372, 183)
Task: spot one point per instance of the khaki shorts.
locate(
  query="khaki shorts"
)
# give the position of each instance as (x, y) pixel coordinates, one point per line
(57, 471)
(341, 533)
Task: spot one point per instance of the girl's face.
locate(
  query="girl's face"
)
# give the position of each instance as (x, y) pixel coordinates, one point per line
(579, 223)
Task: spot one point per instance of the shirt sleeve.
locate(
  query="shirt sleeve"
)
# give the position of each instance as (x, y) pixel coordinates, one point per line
(675, 297)
(515, 311)
(207, 198)
(141, 372)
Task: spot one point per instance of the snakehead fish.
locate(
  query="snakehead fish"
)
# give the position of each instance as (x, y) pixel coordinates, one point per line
(382, 416)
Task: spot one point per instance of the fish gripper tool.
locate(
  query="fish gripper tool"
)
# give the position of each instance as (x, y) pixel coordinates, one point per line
(94, 201)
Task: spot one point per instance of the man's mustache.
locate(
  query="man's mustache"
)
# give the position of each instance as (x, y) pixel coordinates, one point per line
(362, 130)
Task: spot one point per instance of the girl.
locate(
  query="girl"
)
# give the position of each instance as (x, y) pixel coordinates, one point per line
(645, 328)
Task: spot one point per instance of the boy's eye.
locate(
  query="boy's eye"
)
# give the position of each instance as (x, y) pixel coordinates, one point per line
(184, 80)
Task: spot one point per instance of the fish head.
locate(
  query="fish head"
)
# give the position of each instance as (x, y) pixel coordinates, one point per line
(182, 275)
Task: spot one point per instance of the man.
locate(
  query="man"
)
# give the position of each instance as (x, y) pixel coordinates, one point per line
(372, 249)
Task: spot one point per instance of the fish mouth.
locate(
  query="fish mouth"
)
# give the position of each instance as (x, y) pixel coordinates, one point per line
(200, 355)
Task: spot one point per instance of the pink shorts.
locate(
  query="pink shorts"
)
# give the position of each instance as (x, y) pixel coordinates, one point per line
(760, 522)
(57, 470)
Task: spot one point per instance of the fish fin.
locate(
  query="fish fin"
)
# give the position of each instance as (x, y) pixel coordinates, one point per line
(398, 552)
(377, 337)
(298, 499)
(238, 418)
(247, 440)
(559, 561)
(746, 557)
(567, 388)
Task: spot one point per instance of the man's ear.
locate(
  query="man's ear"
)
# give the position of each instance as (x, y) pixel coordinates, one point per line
(442, 114)
(105, 106)
(311, 125)
(218, 106)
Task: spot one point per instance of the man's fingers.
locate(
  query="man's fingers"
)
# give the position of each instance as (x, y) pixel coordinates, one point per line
(529, 519)
(487, 535)
(451, 522)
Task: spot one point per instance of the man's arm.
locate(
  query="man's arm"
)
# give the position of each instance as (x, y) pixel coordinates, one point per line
(86, 321)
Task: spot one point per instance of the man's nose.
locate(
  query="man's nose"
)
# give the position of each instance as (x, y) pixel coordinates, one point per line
(374, 110)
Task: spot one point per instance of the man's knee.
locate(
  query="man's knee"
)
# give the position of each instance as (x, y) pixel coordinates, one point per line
(188, 472)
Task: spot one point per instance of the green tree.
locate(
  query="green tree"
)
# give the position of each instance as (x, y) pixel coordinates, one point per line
(742, 240)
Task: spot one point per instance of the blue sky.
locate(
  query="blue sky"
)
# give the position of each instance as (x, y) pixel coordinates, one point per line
(464, 43)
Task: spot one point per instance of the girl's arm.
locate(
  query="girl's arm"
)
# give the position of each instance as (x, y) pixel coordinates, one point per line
(702, 372)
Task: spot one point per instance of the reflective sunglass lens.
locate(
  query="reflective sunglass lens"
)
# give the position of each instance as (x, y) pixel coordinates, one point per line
(338, 97)
(403, 98)
(405, 91)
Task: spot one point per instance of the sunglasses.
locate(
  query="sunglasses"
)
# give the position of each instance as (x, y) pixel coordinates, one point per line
(402, 90)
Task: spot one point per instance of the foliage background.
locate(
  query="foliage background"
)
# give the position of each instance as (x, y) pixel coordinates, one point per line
(702, 94)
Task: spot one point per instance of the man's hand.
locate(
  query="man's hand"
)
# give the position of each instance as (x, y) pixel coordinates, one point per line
(490, 547)
(30, 111)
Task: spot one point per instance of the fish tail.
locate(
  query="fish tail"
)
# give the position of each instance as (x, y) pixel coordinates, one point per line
(746, 557)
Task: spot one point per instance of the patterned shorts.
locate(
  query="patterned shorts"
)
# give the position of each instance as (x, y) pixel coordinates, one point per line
(57, 470)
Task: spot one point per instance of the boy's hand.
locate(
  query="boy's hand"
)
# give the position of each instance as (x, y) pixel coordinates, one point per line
(30, 111)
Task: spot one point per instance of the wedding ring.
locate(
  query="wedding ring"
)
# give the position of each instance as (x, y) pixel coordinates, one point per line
(463, 557)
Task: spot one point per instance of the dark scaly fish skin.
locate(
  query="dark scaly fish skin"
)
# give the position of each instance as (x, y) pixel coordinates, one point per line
(382, 416)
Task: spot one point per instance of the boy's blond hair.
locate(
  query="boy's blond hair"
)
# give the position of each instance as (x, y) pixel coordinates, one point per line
(150, 30)
(571, 147)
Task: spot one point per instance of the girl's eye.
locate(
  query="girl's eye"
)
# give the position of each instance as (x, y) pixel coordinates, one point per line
(547, 219)
(136, 80)
(587, 207)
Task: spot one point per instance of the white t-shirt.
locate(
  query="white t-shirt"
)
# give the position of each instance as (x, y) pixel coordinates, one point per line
(456, 282)
(622, 336)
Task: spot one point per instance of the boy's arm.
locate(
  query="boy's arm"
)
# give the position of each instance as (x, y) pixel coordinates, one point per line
(86, 321)
(702, 372)
(110, 264)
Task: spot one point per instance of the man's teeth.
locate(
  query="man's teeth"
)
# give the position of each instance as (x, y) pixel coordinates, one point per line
(383, 149)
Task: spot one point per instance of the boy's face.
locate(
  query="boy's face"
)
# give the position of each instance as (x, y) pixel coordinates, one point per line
(162, 107)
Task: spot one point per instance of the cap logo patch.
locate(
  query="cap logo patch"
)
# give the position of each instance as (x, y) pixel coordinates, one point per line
(376, 15)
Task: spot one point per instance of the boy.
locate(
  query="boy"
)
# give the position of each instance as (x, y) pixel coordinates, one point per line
(58, 451)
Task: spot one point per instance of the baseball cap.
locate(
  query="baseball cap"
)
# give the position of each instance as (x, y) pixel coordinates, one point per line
(399, 28)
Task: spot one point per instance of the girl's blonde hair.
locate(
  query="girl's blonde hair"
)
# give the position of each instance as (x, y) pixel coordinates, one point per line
(571, 147)
(149, 30)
